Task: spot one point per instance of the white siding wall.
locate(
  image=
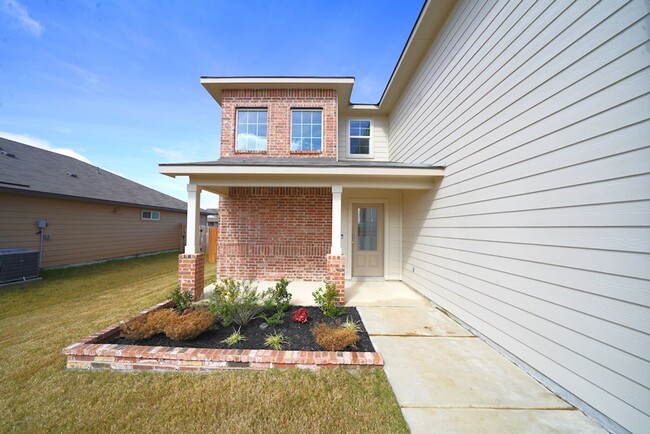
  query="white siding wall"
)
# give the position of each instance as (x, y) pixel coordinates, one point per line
(379, 137)
(539, 234)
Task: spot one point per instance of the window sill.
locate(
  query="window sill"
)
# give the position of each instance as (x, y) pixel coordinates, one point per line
(250, 152)
(306, 152)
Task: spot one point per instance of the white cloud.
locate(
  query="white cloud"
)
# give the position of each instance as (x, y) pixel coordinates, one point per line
(20, 14)
(170, 154)
(43, 144)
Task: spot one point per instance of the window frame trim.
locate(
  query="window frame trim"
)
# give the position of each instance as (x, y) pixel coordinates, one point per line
(142, 218)
(252, 108)
(371, 147)
(322, 129)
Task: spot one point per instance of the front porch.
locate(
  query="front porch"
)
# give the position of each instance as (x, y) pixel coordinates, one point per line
(302, 220)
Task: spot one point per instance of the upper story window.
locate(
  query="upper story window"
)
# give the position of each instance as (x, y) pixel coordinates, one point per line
(150, 215)
(359, 138)
(251, 129)
(306, 130)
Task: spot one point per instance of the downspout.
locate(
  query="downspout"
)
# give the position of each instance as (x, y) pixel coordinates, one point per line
(41, 225)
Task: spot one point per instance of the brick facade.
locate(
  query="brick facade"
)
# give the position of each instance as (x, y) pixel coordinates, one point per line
(191, 274)
(274, 232)
(336, 275)
(279, 103)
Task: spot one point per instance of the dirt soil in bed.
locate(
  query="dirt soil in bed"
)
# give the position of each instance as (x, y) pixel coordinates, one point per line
(299, 335)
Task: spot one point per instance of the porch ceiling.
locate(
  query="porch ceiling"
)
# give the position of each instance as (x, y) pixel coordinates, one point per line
(217, 176)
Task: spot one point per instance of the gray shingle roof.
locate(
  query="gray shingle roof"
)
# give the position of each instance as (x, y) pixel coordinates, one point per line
(301, 162)
(36, 171)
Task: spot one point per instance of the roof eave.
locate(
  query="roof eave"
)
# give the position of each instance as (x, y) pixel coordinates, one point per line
(216, 85)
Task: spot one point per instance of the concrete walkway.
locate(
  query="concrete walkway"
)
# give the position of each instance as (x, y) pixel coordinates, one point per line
(449, 381)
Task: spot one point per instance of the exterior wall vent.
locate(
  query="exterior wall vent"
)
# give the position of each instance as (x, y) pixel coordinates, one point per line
(17, 265)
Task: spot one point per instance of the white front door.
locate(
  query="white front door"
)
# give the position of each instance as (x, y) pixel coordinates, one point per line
(367, 240)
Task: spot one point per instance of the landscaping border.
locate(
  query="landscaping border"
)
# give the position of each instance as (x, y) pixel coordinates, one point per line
(92, 353)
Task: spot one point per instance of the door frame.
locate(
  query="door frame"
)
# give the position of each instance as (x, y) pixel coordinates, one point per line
(351, 222)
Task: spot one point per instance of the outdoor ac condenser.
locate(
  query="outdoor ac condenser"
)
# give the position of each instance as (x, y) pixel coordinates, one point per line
(18, 264)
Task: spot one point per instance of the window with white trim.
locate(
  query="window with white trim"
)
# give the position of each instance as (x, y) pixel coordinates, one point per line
(359, 137)
(306, 130)
(150, 215)
(251, 129)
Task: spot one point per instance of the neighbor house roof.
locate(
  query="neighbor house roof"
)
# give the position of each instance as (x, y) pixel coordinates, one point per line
(25, 169)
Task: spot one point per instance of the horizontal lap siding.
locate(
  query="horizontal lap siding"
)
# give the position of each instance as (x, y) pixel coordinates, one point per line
(539, 234)
(84, 231)
(379, 137)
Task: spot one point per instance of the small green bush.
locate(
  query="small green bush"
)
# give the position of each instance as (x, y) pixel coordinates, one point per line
(234, 338)
(237, 302)
(275, 341)
(182, 300)
(276, 318)
(326, 300)
(279, 296)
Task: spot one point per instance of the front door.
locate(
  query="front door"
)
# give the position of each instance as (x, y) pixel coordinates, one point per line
(368, 240)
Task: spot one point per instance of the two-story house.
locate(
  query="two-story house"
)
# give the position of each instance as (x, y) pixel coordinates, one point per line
(503, 174)
(307, 191)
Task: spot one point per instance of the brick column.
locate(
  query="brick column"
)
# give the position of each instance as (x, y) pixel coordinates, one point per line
(336, 275)
(190, 273)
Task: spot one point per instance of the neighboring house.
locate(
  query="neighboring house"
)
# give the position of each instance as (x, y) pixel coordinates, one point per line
(503, 174)
(92, 214)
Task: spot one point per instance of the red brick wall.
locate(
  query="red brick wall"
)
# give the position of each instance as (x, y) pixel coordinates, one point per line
(274, 232)
(279, 103)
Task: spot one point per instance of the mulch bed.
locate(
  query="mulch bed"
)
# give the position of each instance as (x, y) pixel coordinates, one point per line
(300, 337)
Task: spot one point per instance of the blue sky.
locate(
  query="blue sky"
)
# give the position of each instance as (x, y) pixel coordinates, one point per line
(116, 83)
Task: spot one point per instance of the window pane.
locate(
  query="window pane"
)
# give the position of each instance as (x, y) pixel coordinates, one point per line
(155, 215)
(306, 130)
(316, 144)
(251, 130)
(367, 229)
(316, 131)
(316, 117)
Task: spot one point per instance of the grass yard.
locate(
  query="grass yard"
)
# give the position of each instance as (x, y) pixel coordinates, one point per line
(37, 395)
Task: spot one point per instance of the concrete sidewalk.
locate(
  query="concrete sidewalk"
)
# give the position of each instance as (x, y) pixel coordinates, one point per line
(449, 381)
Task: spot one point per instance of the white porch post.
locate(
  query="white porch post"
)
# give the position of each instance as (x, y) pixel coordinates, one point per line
(336, 220)
(193, 242)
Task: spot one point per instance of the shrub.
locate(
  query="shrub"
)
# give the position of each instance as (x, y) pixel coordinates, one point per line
(351, 325)
(334, 338)
(145, 326)
(279, 298)
(275, 341)
(189, 325)
(234, 338)
(236, 302)
(182, 300)
(326, 300)
(276, 318)
(300, 316)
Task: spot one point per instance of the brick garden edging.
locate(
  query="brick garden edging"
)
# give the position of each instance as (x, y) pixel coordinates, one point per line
(91, 353)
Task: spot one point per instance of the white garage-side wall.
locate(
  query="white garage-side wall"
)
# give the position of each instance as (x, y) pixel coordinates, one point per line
(538, 237)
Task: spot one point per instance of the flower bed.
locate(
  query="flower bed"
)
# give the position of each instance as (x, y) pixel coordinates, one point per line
(106, 350)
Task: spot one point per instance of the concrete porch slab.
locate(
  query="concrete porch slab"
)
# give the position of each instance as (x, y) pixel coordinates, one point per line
(458, 372)
(474, 420)
(382, 293)
(409, 321)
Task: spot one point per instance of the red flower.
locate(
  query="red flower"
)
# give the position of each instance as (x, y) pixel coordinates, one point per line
(301, 315)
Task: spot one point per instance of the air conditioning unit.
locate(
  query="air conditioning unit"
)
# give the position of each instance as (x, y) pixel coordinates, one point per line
(17, 265)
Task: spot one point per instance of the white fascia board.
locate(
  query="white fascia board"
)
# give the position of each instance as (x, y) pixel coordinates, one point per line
(284, 170)
(277, 80)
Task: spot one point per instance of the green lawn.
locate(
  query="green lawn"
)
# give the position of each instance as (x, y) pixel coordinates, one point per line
(37, 395)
